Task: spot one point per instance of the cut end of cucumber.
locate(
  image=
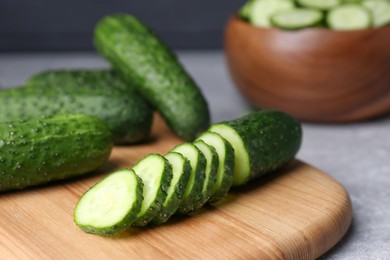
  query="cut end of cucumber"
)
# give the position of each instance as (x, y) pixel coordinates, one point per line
(349, 17)
(111, 205)
(380, 10)
(242, 169)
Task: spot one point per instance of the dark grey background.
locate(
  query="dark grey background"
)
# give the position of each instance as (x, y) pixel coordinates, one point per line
(51, 25)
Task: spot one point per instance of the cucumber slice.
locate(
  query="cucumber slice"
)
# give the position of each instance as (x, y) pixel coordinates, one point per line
(181, 170)
(349, 17)
(263, 142)
(111, 205)
(156, 174)
(244, 11)
(380, 11)
(262, 10)
(193, 192)
(225, 170)
(212, 163)
(320, 4)
(295, 19)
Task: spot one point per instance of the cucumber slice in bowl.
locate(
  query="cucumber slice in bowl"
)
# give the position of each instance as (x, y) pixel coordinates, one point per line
(295, 19)
(225, 170)
(263, 142)
(181, 170)
(349, 17)
(156, 174)
(380, 11)
(111, 205)
(212, 163)
(261, 11)
(320, 4)
(193, 192)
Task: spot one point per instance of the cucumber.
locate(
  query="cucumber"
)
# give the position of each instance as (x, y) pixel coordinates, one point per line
(193, 193)
(295, 19)
(82, 78)
(110, 206)
(349, 17)
(127, 114)
(263, 142)
(146, 63)
(262, 10)
(244, 11)
(226, 162)
(212, 164)
(181, 169)
(41, 150)
(380, 11)
(320, 4)
(156, 174)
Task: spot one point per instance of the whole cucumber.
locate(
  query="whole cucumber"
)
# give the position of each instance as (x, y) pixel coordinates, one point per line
(81, 78)
(147, 63)
(42, 150)
(126, 113)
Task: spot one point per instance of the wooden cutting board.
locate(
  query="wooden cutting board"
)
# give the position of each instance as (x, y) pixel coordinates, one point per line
(298, 213)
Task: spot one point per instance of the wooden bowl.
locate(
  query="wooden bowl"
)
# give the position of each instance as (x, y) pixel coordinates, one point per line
(316, 75)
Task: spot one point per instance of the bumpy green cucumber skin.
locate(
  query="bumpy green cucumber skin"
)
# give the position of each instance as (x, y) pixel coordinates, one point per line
(169, 208)
(271, 139)
(211, 177)
(39, 151)
(126, 222)
(127, 114)
(146, 63)
(81, 78)
(144, 219)
(191, 200)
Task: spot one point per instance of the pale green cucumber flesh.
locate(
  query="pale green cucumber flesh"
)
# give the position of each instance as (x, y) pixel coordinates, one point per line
(156, 174)
(262, 10)
(110, 206)
(320, 4)
(193, 191)
(297, 18)
(225, 170)
(380, 10)
(242, 167)
(212, 163)
(181, 170)
(349, 17)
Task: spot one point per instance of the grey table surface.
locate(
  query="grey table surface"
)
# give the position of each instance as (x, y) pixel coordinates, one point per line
(357, 155)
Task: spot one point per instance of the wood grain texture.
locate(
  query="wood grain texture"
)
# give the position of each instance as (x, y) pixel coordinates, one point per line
(317, 75)
(298, 213)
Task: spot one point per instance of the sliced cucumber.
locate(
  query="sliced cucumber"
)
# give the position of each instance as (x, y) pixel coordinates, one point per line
(261, 11)
(194, 188)
(349, 17)
(156, 174)
(225, 170)
(263, 142)
(212, 163)
(181, 170)
(295, 19)
(320, 4)
(244, 12)
(111, 205)
(380, 11)
(242, 167)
